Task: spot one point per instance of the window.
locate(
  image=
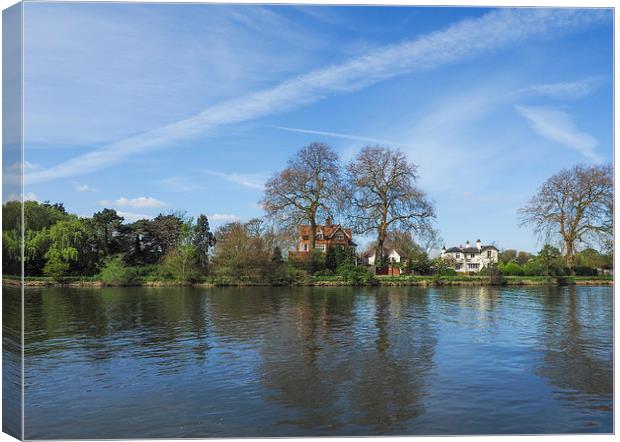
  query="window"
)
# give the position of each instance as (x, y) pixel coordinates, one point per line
(473, 266)
(320, 247)
(458, 266)
(305, 247)
(339, 236)
(489, 254)
(457, 255)
(472, 255)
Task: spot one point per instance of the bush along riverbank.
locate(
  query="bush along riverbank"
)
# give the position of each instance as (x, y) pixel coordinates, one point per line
(354, 279)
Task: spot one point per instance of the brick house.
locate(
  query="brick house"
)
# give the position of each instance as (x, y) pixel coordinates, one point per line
(327, 235)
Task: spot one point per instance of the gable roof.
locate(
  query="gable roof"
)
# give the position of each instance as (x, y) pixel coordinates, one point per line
(328, 231)
(470, 249)
(370, 252)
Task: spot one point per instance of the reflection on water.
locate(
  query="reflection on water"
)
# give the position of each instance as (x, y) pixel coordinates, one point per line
(106, 363)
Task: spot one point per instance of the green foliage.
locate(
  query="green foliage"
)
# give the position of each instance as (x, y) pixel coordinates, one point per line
(180, 264)
(356, 274)
(56, 268)
(72, 243)
(204, 240)
(550, 259)
(443, 266)
(511, 268)
(115, 272)
(534, 267)
(317, 261)
(585, 271)
(331, 260)
(106, 225)
(419, 263)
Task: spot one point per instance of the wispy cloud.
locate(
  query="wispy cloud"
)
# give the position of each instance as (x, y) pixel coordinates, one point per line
(180, 184)
(142, 201)
(568, 90)
(84, 188)
(253, 181)
(223, 218)
(346, 136)
(558, 126)
(463, 40)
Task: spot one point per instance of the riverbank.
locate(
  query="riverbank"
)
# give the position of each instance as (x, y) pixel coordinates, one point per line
(328, 281)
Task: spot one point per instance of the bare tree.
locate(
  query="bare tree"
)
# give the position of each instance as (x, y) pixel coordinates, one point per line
(307, 190)
(575, 205)
(383, 194)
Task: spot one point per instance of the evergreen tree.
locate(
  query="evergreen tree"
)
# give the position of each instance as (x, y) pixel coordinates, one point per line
(204, 239)
(331, 259)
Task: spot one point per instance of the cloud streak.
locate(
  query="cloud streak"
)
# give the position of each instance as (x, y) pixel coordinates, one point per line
(462, 41)
(341, 135)
(558, 126)
(252, 181)
(568, 90)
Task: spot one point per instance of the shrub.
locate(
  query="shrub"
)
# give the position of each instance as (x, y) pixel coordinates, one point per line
(356, 274)
(533, 268)
(115, 272)
(511, 269)
(585, 271)
(180, 265)
(56, 268)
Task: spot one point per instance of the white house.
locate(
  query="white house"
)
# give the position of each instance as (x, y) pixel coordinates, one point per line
(472, 258)
(393, 255)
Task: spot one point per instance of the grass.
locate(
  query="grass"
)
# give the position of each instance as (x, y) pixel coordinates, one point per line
(340, 280)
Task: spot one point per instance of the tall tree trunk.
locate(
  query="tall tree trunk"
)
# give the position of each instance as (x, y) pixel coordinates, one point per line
(380, 243)
(312, 234)
(570, 257)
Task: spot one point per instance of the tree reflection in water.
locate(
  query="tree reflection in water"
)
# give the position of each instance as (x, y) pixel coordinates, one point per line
(341, 377)
(575, 333)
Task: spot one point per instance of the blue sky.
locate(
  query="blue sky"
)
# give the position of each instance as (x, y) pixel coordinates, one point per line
(148, 108)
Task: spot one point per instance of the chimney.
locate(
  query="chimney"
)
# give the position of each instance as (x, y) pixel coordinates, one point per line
(478, 244)
(467, 244)
(328, 221)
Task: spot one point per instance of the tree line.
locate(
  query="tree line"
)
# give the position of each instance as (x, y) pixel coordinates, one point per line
(376, 192)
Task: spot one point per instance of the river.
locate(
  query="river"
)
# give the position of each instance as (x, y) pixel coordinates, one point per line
(302, 361)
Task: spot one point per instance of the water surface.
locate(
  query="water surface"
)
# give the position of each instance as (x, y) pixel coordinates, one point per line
(178, 362)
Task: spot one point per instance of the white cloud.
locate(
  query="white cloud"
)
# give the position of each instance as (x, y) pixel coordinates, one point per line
(224, 218)
(141, 201)
(84, 188)
(132, 217)
(253, 181)
(558, 126)
(28, 196)
(463, 40)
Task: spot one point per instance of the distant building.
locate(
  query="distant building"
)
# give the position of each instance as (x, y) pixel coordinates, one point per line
(472, 258)
(393, 254)
(326, 236)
